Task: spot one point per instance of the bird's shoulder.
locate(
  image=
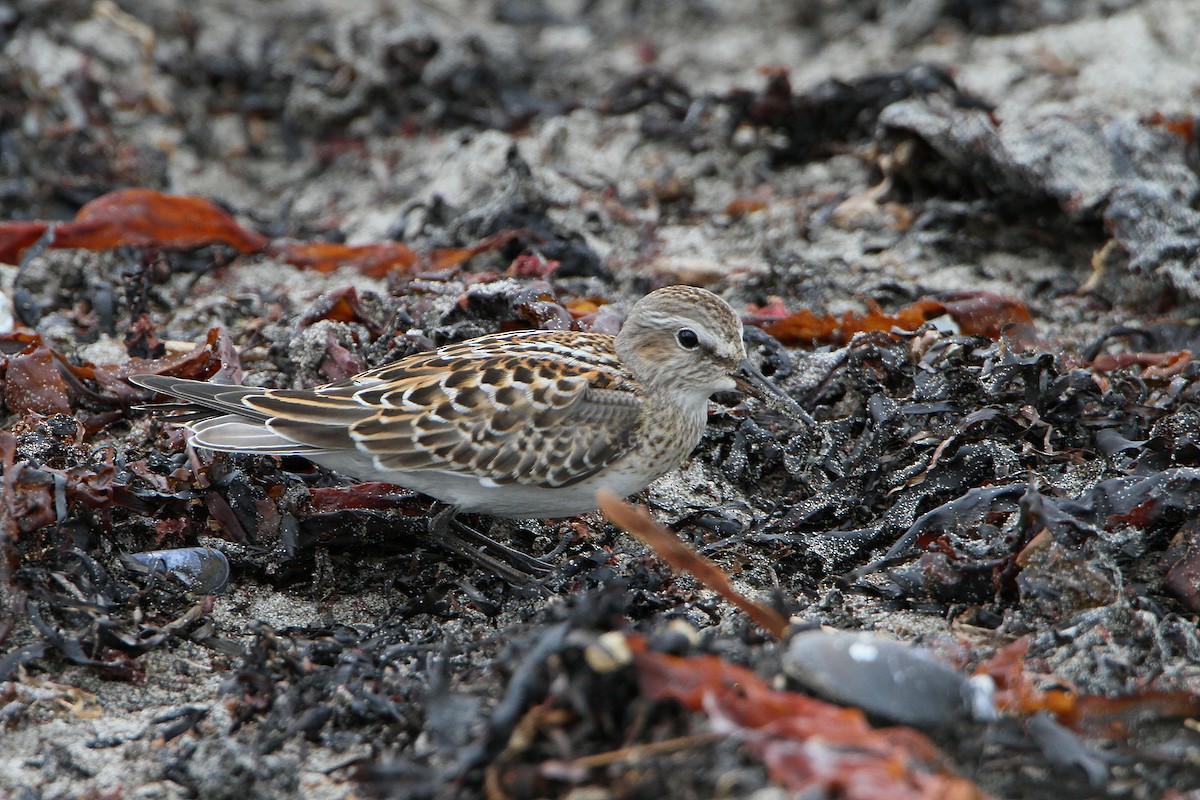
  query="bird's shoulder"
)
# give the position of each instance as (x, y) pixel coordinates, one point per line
(547, 363)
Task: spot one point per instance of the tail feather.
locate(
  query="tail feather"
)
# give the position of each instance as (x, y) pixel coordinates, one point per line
(220, 419)
(232, 433)
(216, 396)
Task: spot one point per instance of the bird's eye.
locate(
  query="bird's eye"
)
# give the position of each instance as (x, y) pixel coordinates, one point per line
(687, 339)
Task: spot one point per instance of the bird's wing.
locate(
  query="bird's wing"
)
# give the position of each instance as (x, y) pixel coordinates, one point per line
(202, 398)
(538, 409)
(219, 416)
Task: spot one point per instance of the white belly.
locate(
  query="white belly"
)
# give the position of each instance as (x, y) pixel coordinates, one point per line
(500, 500)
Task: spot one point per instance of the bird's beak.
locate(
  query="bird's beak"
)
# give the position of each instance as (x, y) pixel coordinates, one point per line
(755, 384)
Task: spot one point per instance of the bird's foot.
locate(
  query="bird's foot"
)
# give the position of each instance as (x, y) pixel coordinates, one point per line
(516, 567)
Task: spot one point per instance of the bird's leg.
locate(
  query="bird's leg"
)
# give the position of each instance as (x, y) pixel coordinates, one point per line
(513, 565)
(528, 563)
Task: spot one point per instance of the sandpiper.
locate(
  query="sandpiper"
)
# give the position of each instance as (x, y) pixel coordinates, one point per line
(526, 424)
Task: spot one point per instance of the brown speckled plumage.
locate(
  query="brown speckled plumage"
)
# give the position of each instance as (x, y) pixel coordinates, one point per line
(523, 424)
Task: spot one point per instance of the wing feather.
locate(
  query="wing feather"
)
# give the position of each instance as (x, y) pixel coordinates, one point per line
(532, 407)
(214, 396)
(557, 433)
